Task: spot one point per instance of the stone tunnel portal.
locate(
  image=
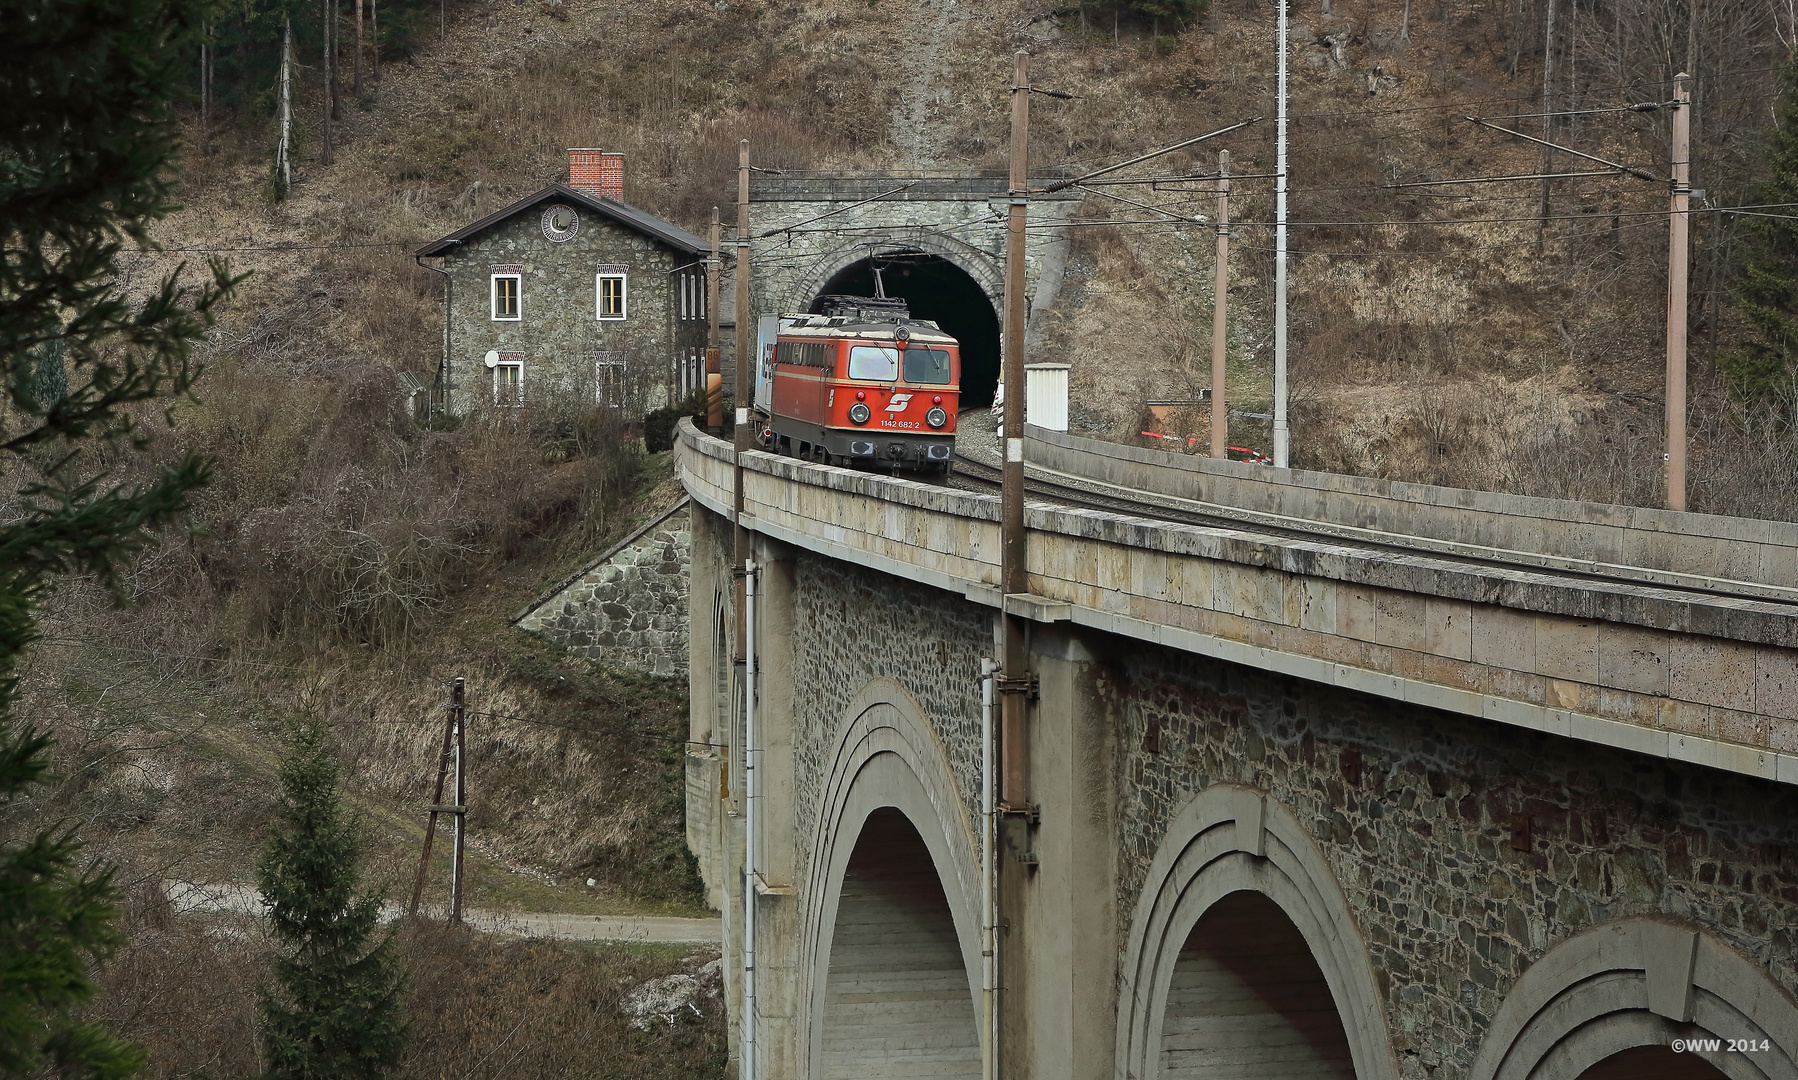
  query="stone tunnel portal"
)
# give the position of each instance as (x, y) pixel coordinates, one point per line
(897, 999)
(945, 293)
(1248, 1000)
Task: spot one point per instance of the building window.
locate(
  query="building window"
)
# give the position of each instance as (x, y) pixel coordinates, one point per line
(508, 292)
(608, 379)
(508, 383)
(610, 291)
(692, 295)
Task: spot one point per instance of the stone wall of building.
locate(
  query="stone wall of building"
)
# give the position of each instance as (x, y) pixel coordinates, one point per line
(629, 607)
(559, 332)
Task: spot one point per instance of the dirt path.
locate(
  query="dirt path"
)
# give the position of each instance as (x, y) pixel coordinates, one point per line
(191, 898)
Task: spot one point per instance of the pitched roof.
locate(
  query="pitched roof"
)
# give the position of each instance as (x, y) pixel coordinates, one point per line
(629, 216)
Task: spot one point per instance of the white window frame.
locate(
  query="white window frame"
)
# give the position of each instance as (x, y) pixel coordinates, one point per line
(497, 368)
(601, 383)
(493, 298)
(599, 295)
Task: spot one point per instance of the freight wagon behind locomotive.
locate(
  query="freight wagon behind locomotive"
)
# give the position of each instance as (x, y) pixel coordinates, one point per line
(861, 384)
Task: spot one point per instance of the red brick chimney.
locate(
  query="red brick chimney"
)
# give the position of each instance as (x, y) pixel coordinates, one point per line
(597, 173)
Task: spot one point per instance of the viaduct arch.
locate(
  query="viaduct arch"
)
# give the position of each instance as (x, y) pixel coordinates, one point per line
(1232, 853)
(892, 939)
(1610, 1001)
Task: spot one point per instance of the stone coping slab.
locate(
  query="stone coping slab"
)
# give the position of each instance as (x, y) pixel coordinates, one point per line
(1642, 543)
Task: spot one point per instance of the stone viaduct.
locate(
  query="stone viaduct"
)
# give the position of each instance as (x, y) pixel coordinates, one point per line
(1376, 781)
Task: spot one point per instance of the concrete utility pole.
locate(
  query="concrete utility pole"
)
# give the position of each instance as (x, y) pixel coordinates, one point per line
(1280, 434)
(714, 377)
(1220, 285)
(1677, 253)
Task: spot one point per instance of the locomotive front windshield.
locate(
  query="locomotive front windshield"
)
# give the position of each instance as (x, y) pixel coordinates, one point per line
(874, 362)
(880, 363)
(926, 365)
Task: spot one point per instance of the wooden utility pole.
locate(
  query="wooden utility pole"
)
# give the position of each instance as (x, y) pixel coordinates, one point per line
(458, 716)
(1013, 570)
(1548, 85)
(1220, 287)
(452, 727)
(1677, 254)
(714, 368)
(283, 165)
(205, 84)
(745, 324)
(742, 430)
(357, 84)
(330, 84)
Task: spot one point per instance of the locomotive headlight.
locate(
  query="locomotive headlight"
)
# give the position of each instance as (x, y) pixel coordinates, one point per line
(936, 417)
(858, 413)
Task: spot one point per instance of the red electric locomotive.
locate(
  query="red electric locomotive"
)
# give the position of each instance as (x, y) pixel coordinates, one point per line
(863, 383)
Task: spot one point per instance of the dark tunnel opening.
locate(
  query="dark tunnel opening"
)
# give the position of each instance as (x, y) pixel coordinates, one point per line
(942, 292)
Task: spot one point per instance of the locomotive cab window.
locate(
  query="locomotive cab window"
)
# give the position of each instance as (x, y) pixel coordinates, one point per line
(926, 365)
(875, 362)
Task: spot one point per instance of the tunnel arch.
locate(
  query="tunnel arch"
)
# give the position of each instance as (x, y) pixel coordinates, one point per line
(890, 779)
(956, 286)
(1232, 853)
(1619, 990)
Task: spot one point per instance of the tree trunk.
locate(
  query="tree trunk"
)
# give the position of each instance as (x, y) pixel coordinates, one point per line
(1404, 23)
(358, 82)
(374, 35)
(1548, 86)
(329, 82)
(283, 165)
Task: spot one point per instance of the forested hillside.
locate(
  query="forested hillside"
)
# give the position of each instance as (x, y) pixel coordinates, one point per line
(345, 562)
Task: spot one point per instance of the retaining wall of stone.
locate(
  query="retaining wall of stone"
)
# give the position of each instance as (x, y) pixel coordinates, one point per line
(629, 607)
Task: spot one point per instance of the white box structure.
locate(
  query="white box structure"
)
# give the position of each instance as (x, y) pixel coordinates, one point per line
(1046, 395)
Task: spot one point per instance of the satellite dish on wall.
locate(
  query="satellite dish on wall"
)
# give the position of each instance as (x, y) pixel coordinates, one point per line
(492, 358)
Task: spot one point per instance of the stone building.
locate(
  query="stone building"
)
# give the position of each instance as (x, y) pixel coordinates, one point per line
(570, 292)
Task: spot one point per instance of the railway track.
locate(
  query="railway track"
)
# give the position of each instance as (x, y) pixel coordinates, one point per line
(1098, 495)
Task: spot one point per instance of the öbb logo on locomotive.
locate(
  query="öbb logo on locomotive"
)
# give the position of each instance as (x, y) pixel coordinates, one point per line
(860, 384)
